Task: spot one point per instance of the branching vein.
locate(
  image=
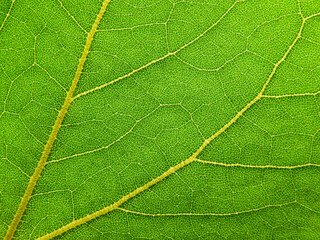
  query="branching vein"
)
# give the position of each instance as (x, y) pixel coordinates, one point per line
(192, 158)
(159, 59)
(47, 149)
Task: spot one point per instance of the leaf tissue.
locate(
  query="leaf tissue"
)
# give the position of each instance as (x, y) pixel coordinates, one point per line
(160, 119)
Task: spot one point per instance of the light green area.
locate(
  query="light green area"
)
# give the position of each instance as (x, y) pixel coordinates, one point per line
(118, 138)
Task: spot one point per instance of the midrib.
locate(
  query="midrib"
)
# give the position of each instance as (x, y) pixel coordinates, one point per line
(62, 113)
(184, 163)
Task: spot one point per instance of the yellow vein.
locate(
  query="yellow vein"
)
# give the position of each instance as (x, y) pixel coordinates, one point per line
(213, 69)
(73, 18)
(313, 15)
(283, 58)
(13, 164)
(116, 204)
(8, 14)
(257, 166)
(94, 150)
(28, 130)
(159, 59)
(175, 168)
(291, 95)
(104, 147)
(10, 87)
(47, 149)
(309, 208)
(122, 77)
(20, 169)
(205, 214)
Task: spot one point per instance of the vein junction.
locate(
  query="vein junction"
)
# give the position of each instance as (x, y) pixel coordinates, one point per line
(193, 157)
(159, 59)
(48, 147)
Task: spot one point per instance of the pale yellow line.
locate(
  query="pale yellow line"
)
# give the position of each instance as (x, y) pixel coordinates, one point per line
(149, 184)
(94, 150)
(309, 208)
(2, 25)
(204, 214)
(73, 18)
(9, 90)
(292, 95)
(283, 58)
(122, 77)
(175, 168)
(104, 147)
(116, 204)
(257, 166)
(47, 149)
(313, 15)
(159, 59)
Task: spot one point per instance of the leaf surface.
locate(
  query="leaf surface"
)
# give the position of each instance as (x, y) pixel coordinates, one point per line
(189, 119)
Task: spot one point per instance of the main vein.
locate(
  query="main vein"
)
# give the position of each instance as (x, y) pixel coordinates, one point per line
(161, 58)
(8, 14)
(175, 168)
(62, 113)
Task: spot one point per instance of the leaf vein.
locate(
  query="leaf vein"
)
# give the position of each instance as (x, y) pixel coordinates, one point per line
(159, 59)
(205, 214)
(47, 149)
(184, 163)
(7, 16)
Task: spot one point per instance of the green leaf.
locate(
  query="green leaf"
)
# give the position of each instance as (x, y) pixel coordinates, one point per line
(194, 119)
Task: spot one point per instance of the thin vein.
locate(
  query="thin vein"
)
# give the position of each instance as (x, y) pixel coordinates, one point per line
(55, 80)
(291, 95)
(205, 214)
(94, 150)
(107, 146)
(28, 130)
(283, 58)
(313, 15)
(10, 88)
(122, 77)
(175, 168)
(73, 18)
(257, 166)
(8, 14)
(157, 60)
(131, 28)
(13, 164)
(47, 149)
(309, 208)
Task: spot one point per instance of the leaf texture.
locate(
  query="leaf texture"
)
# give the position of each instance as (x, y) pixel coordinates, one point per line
(159, 119)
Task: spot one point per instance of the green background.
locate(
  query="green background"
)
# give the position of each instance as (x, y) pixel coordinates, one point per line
(116, 139)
